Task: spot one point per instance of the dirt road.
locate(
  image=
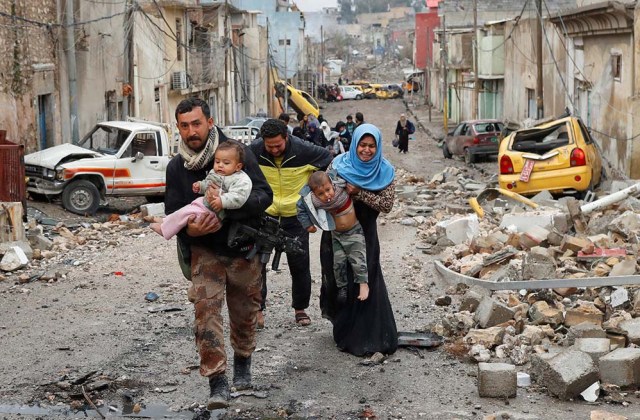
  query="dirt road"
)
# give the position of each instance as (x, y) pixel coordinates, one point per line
(94, 327)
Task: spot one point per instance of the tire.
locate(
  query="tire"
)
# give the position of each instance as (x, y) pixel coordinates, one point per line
(358, 97)
(469, 157)
(445, 151)
(81, 197)
(154, 198)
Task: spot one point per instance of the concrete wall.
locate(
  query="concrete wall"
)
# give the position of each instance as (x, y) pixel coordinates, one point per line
(29, 70)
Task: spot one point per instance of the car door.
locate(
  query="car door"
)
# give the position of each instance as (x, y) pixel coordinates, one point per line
(460, 136)
(145, 175)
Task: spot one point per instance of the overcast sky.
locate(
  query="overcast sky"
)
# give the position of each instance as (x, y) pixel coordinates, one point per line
(315, 5)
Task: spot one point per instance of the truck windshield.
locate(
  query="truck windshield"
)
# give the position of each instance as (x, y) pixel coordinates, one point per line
(107, 140)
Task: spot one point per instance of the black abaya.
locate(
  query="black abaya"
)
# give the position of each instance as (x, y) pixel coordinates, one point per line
(361, 327)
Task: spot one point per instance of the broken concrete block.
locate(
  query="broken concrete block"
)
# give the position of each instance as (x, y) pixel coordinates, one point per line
(497, 380)
(489, 337)
(584, 330)
(39, 241)
(574, 244)
(480, 353)
(532, 335)
(626, 224)
(471, 300)
(617, 341)
(23, 245)
(533, 236)
(632, 327)
(412, 211)
(152, 209)
(522, 222)
(406, 192)
(540, 365)
(459, 230)
(621, 367)
(539, 263)
(594, 347)
(541, 313)
(569, 373)
(506, 272)
(584, 312)
(491, 313)
(13, 259)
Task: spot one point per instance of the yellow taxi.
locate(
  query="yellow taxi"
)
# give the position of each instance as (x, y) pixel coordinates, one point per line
(299, 100)
(558, 156)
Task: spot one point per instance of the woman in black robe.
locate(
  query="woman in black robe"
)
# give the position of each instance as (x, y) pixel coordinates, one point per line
(362, 327)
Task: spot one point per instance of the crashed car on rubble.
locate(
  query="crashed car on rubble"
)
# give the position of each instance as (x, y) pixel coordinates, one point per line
(558, 156)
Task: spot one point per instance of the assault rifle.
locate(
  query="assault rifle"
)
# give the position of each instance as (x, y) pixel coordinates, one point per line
(265, 238)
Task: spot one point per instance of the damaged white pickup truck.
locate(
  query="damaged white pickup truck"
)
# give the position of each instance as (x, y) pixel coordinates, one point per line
(116, 158)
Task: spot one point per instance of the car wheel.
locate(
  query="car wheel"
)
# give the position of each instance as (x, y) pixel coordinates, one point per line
(445, 151)
(81, 197)
(469, 157)
(358, 97)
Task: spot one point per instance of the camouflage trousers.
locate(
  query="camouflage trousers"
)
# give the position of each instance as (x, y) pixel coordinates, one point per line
(213, 275)
(349, 248)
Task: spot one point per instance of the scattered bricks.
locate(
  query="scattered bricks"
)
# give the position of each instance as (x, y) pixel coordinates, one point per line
(539, 263)
(594, 347)
(489, 337)
(574, 244)
(490, 313)
(632, 327)
(534, 236)
(585, 330)
(569, 373)
(541, 313)
(497, 380)
(459, 230)
(621, 367)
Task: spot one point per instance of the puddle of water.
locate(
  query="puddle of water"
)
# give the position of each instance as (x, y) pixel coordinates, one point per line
(150, 411)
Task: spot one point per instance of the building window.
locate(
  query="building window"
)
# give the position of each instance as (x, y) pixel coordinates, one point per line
(179, 39)
(616, 66)
(532, 107)
(281, 42)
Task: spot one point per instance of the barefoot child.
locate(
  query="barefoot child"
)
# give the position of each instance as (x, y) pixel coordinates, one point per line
(320, 196)
(231, 188)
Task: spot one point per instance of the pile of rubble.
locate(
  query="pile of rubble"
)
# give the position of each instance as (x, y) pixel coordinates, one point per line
(53, 247)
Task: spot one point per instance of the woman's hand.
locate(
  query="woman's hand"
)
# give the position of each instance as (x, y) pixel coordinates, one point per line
(312, 229)
(203, 224)
(352, 189)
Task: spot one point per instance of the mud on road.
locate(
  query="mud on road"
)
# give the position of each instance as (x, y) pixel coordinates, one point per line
(93, 327)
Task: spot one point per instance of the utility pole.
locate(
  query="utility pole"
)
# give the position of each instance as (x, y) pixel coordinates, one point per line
(476, 80)
(322, 51)
(227, 48)
(269, 101)
(71, 69)
(539, 85)
(443, 58)
(286, 79)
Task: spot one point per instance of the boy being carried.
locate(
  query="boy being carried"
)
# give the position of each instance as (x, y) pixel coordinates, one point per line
(322, 196)
(231, 184)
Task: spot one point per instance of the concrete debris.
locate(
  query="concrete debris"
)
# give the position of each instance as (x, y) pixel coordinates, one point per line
(621, 367)
(497, 380)
(13, 259)
(592, 393)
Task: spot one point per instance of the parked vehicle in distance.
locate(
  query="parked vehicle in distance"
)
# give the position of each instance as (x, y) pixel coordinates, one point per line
(250, 122)
(396, 88)
(299, 100)
(383, 92)
(351, 92)
(116, 158)
(558, 156)
(243, 133)
(472, 139)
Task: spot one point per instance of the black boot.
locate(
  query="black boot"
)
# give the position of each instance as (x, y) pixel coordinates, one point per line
(241, 372)
(219, 396)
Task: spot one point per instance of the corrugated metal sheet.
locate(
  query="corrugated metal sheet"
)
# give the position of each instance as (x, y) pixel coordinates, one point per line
(12, 183)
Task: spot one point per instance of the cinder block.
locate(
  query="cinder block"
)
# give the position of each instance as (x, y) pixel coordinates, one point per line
(569, 373)
(585, 330)
(497, 380)
(621, 367)
(152, 209)
(594, 347)
(540, 365)
(491, 313)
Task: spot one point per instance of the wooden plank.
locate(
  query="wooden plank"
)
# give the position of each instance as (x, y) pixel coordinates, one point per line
(11, 227)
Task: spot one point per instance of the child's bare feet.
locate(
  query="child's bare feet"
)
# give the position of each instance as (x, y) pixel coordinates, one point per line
(364, 291)
(156, 228)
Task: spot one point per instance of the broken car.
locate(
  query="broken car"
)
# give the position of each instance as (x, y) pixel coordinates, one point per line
(473, 139)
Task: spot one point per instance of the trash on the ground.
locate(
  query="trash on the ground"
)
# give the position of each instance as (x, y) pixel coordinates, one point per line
(165, 308)
(151, 297)
(415, 339)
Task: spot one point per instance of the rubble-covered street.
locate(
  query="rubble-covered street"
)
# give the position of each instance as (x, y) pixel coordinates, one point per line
(101, 309)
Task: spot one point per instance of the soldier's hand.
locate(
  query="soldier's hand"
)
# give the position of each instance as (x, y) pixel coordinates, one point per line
(203, 224)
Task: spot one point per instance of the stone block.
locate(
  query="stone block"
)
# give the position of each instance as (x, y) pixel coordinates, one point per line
(621, 367)
(539, 264)
(39, 241)
(459, 230)
(471, 299)
(497, 380)
(533, 236)
(23, 245)
(632, 327)
(152, 209)
(569, 373)
(523, 221)
(574, 244)
(542, 314)
(617, 341)
(13, 259)
(540, 365)
(594, 347)
(489, 337)
(575, 316)
(491, 312)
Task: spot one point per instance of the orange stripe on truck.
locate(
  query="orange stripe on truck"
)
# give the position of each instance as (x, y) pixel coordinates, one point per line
(123, 186)
(106, 172)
